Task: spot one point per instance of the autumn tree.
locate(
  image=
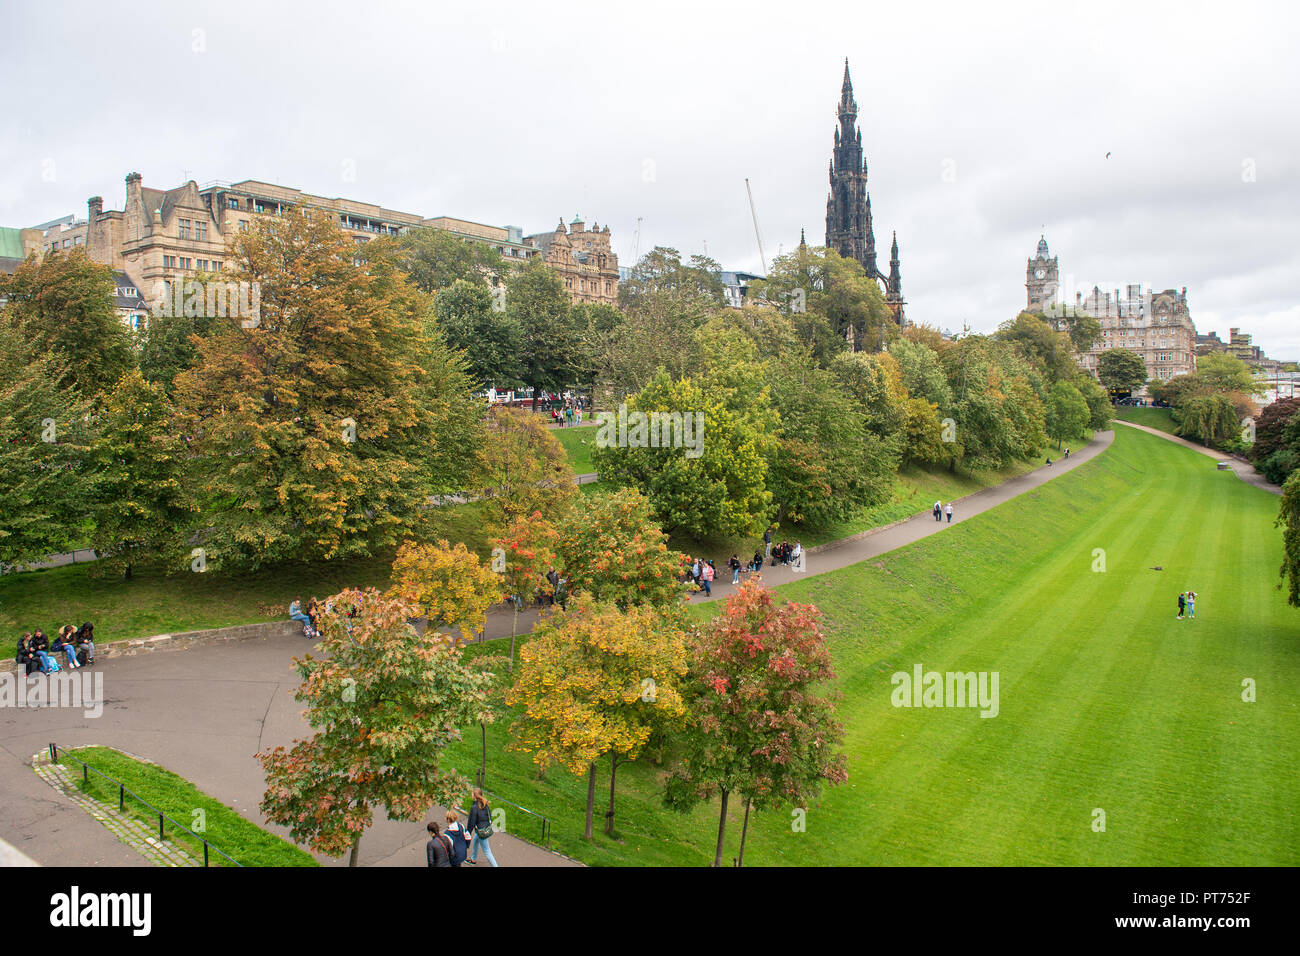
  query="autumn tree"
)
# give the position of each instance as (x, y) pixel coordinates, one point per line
(596, 681)
(523, 468)
(141, 507)
(613, 550)
(761, 725)
(447, 584)
(522, 556)
(314, 426)
(385, 703)
(63, 303)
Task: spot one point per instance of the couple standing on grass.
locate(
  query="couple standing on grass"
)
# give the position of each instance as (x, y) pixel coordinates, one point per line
(1187, 605)
(939, 510)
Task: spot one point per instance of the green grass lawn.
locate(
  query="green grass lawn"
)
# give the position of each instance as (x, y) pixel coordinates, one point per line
(1106, 701)
(156, 603)
(1158, 418)
(175, 796)
(578, 442)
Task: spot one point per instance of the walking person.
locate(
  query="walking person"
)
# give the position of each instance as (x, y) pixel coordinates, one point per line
(938, 511)
(437, 852)
(458, 836)
(1067, 453)
(949, 511)
(706, 578)
(734, 563)
(767, 542)
(796, 556)
(1182, 605)
(480, 825)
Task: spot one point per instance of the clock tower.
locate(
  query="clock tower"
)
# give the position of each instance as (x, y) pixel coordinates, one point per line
(1041, 280)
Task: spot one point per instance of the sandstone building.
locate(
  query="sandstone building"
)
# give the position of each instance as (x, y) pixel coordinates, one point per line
(587, 265)
(1156, 325)
(166, 236)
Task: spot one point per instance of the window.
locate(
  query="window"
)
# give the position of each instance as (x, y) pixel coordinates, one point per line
(201, 230)
(169, 262)
(232, 202)
(185, 263)
(202, 264)
(66, 243)
(243, 225)
(78, 240)
(216, 266)
(183, 228)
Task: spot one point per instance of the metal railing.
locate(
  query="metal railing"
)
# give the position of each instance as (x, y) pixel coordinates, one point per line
(545, 821)
(122, 791)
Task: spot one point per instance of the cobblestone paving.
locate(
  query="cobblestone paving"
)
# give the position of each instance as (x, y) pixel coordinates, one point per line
(132, 831)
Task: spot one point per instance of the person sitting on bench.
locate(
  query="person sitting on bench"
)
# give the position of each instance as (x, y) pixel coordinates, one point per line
(26, 657)
(63, 642)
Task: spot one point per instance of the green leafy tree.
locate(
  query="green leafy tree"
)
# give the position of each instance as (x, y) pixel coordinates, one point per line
(1121, 370)
(709, 481)
(436, 259)
(491, 340)
(1050, 350)
(921, 372)
(761, 727)
(63, 304)
(1289, 520)
(141, 507)
(1100, 410)
(597, 681)
(538, 304)
(1221, 372)
(1208, 419)
(1067, 412)
(385, 703)
(45, 434)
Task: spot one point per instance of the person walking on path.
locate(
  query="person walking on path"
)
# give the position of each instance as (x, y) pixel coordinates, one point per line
(706, 578)
(437, 852)
(734, 563)
(1191, 605)
(767, 543)
(1067, 453)
(796, 556)
(480, 825)
(1182, 605)
(938, 511)
(458, 838)
(949, 510)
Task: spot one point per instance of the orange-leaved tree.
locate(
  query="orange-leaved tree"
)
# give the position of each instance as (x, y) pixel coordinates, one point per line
(522, 556)
(613, 549)
(524, 468)
(761, 725)
(596, 681)
(385, 702)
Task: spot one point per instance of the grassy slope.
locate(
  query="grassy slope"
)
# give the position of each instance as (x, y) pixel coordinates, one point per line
(178, 798)
(573, 438)
(1106, 700)
(1158, 418)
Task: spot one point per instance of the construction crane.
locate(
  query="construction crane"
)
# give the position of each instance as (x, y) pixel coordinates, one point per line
(761, 258)
(636, 242)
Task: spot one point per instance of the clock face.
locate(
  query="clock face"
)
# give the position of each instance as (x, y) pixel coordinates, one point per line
(1039, 274)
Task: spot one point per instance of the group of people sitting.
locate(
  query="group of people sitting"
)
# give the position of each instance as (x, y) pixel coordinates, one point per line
(308, 617)
(786, 553)
(38, 653)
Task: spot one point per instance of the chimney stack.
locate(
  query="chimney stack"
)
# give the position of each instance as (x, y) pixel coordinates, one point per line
(95, 205)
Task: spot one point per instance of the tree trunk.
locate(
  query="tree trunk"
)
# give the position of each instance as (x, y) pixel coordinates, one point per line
(514, 629)
(609, 814)
(127, 573)
(722, 830)
(591, 799)
(356, 848)
(740, 861)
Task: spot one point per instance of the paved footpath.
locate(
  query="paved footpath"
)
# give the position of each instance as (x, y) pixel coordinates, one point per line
(1243, 469)
(203, 712)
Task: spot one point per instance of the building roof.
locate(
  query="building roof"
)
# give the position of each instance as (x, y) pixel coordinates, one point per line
(11, 243)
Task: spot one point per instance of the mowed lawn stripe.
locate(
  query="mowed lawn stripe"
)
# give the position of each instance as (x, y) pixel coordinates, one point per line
(1103, 703)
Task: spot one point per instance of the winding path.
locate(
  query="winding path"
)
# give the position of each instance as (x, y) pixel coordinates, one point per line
(205, 711)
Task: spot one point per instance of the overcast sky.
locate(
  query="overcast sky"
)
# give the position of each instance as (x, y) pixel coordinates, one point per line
(984, 124)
